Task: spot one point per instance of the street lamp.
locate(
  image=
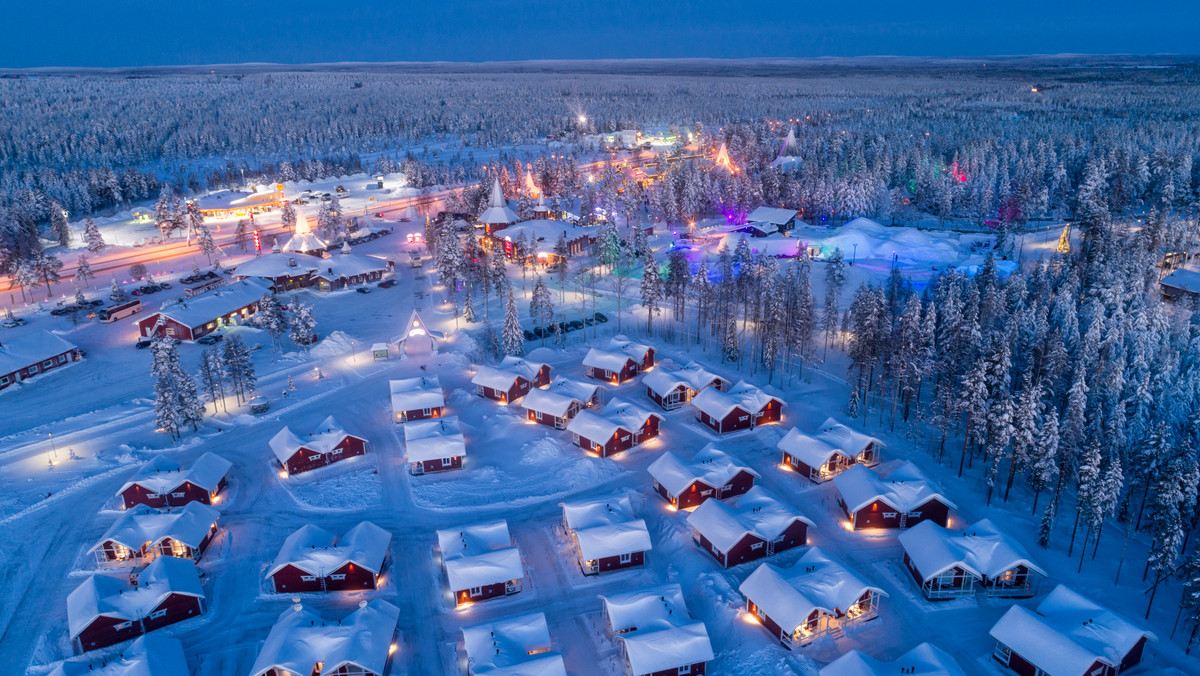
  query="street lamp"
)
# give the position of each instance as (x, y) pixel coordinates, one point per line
(854, 254)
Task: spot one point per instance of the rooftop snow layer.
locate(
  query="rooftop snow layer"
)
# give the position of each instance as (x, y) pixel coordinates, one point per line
(516, 646)
(898, 483)
(664, 379)
(163, 474)
(527, 369)
(597, 512)
(301, 639)
(599, 542)
(415, 394)
(313, 549)
(772, 215)
(833, 439)
(656, 630)
(150, 655)
(718, 404)
(790, 595)
(606, 360)
(711, 466)
(479, 555)
(756, 512)
(925, 659)
(145, 526)
(556, 400)
(982, 550)
(426, 440)
(206, 307)
(29, 349)
(618, 414)
(1184, 280)
(624, 345)
(322, 439)
(112, 597)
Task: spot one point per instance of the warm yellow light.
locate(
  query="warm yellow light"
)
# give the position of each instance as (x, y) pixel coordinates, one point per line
(283, 474)
(392, 649)
(785, 467)
(847, 525)
(750, 618)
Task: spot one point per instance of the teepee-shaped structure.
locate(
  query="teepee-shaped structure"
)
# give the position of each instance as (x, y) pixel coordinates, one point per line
(723, 160)
(530, 186)
(497, 215)
(303, 240)
(789, 154)
(418, 338)
(541, 209)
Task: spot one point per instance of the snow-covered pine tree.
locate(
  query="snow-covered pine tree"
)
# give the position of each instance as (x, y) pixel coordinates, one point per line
(512, 338)
(541, 306)
(1027, 415)
(60, 228)
(468, 306)
(731, 349)
(83, 271)
(204, 239)
(287, 216)
(608, 244)
(272, 318)
(176, 400)
(91, 236)
(117, 294)
(835, 279)
(302, 324)
(212, 376)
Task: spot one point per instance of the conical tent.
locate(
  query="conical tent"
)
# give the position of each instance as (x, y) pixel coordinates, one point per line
(417, 338)
(498, 212)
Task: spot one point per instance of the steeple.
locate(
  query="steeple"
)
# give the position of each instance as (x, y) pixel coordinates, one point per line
(497, 197)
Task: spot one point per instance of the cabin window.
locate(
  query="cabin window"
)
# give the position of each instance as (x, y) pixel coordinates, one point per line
(743, 418)
(308, 578)
(476, 591)
(337, 450)
(157, 614)
(424, 411)
(575, 438)
(338, 578)
(123, 626)
(33, 369)
(447, 461)
(62, 358)
(47, 364)
(3, 380)
(626, 558)
(756, 546)
(177, 495)
(170, 331)
(889, 515)
(685, 669)
(914, 515)
(152, 495)
(1002, 653)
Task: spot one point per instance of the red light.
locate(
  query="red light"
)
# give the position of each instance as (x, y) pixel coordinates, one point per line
(257, 242)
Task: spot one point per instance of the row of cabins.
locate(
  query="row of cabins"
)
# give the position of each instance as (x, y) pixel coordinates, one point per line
(433, 441)
(201, 315)
(326, 444)
(303, 643)
(620, 361)
(26, 356)
(312, 559)
(167, 524)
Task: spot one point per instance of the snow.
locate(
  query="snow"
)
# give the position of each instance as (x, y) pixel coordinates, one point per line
(517, 646)
(497, 212)
(925, 659)
(301, 639)
(415, 394)
(479, 555)
(543, 234)
(30, 349)
(322, 439)
(590, 513)
(665, 378)
(426, 440)
(599, 542)
(756, 512)
(108, 596)
(833, 438)
(815, 582)
(718, 404)
(898, 483)
(557, 399)
(208, 307)
(638, 351)
(494, 378)
(143, 526)
(523, 367)
(149, 655)
(618, 414)
(315, 551)
(607, 361)
(337, 266)
(710, 465)
(1183, 280)
(654, 626)
(773, 215)
(982, 550)
(162, 474)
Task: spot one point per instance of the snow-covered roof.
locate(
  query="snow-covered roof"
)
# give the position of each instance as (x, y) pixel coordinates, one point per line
(711, 465)
(816, 582)
(718, 404)
(620, 343)
(322, 439)
(235, 199)
(162, 474)
(1184, 280)
(833, 438)
(515, 646)
(301, 639)
(153, 654)
(275, 265)
(898, 483)
(656, 629)
(773, 215)
(756, 512)
(142, 525)
(343, 265)
(618, 414)
(497, 211)
(664, 379)
(1068, 633)
(597, 512)
(924, 659)
(600, 542)
(413, 394)
(313, 549)
(113, 597)
(426, 440)
(543, 234)
(981, 549)
(494, 378)
(31, 348)
(606, 360)
(479, 555)
(556, 399)
(206, 307)
(525, 368)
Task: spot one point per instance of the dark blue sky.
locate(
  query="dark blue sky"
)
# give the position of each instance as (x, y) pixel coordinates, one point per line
(141, 32)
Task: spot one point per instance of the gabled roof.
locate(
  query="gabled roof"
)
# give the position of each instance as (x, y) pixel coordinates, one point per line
(141, 525)
(718, 404)
(162, 474)
(496, 379)
(832, 439)
(772, 215)
(206, 307)
(498, 211)
(413, 394)
(663, 379)
(600, 542)
(982, 550)
(655, 627)
(322, 439)
(112, 597)
(31, 348)
(898, 483)
(607, 360)
(313, 549)
(756, 512)
(301, 638)
(516, 646)
(622, 344)
(557, 398)
(618, 414)
(480, 554)
(525, 368)
(150, 655)
(789, 595)
(426, 440)
(1068, 633)
(925, 659)
(597, 512)
(711, 465)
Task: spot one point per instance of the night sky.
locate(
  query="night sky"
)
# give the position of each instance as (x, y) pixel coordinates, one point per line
(142, 33)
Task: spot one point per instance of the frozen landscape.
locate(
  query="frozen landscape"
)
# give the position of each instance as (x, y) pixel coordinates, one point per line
(842, 369)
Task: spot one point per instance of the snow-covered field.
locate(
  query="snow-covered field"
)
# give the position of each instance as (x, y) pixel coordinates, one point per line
(94, 421)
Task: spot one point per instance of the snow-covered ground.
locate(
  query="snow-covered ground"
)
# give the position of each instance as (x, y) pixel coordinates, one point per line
(99, 411)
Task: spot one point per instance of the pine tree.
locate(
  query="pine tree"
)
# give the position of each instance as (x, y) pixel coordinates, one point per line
(117, 294)
(302, 324)
(59, 227)
(731, 349)
(512, 339)
(272, 318)
(468, 306)
(176, 400)
(287, 216)
(835, 279)
(651, 293)
(91, 236)
(204, 238)
(212, 376)
(1189, 605)
(541, 306)
(1045, 464)
(83, 271)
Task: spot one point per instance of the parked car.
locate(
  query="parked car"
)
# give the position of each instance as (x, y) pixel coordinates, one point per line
(143, 342)
(387, 284)
(600, 317)
(564, 327)
(65, 310)
(95, 302)
(259, 404)
(379, 214)
(575, 324)
(165, 285)
(590, 321)
(363, 289)
(14, 322)
(529, 335)
(211, 339)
